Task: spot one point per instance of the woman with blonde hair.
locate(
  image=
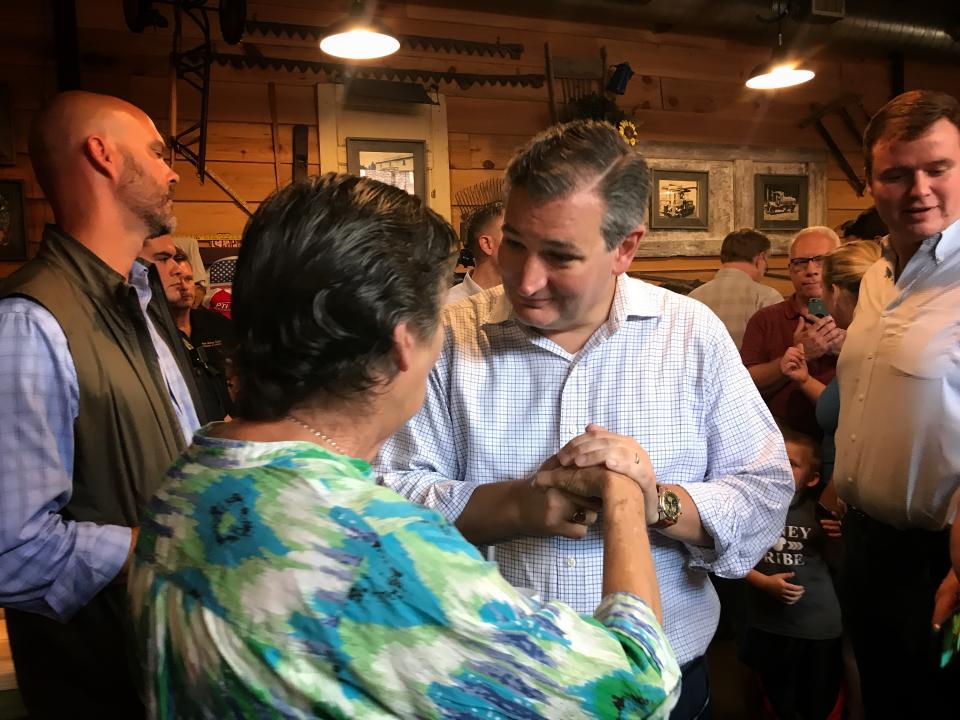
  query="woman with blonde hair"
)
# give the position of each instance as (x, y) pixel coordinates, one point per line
(841, 273)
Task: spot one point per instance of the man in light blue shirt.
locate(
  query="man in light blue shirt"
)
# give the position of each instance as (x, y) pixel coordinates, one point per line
(484, 233)
(95, 405)
(572, 365)
(898, 439)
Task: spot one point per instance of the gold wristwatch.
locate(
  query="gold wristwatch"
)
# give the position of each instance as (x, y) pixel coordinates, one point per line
(668, 508)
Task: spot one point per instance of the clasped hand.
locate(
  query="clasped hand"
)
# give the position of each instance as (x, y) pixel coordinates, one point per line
(793, 364)
(581, 470)
(820, 337)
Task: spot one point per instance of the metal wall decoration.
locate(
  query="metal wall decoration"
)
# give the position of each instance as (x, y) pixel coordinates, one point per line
(190, 62)
(841, 108)
(679, 199)
(13, 221)
(780, 202)
(412, 42)
(338, 72)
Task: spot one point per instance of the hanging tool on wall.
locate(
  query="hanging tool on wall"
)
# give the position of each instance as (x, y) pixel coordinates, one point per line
(841, 108)
(301, 151)
(274, 131)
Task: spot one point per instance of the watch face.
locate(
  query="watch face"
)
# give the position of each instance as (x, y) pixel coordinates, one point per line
(671, 505)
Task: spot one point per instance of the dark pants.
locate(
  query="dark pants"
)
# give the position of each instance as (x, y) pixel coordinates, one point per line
(77, 669)
(694, 702)
(888, 585)
(801, 678)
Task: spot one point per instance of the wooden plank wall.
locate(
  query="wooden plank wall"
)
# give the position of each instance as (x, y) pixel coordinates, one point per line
(686, 89)
(27, 67)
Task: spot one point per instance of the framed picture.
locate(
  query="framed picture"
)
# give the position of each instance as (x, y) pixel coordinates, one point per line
(679, 200)
(401, 163)
(780, 202)
(13, 223)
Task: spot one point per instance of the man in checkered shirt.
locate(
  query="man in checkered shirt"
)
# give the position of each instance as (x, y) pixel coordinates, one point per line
(574, 365)
(736, 293)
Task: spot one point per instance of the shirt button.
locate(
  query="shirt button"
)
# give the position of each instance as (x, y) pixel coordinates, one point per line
(860, 398)
(572, 429)
(853, 437)
(571, 561)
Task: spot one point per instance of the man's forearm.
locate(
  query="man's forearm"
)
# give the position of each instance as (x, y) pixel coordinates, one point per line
(767, 376)
(688, 529)
(59, 571)
(492, 513)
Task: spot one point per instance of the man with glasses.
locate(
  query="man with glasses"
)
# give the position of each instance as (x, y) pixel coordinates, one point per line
(773, 329)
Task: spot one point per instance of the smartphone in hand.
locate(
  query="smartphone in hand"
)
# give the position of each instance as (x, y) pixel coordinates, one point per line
(816, 308)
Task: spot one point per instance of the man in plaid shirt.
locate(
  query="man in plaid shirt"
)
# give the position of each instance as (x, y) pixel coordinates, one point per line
(736, 293)
(572, 366)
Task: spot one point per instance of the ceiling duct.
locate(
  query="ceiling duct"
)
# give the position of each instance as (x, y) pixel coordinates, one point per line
(828, 11)
(930, 28)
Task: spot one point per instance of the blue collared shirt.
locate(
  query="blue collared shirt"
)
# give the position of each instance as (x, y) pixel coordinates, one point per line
(50, 565)
(898, 438)
(662, 369)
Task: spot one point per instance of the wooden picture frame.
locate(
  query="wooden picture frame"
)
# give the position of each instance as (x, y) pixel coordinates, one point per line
(780, 202)
(401, 163)
(679, 199)
(13, 221)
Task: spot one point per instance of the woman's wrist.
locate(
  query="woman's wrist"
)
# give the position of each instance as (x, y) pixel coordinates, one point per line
(619, 491)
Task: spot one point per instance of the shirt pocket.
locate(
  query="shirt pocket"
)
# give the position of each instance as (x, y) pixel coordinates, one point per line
(926, 342)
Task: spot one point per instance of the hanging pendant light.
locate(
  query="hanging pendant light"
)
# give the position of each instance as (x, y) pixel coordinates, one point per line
(776, 74)
(780, 71)
(359, 37)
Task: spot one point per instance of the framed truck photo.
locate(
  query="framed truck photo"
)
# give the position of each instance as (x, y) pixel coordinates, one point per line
(679, 199)
(780, 202)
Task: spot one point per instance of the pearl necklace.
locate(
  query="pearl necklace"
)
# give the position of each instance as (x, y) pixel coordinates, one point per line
(326, 438)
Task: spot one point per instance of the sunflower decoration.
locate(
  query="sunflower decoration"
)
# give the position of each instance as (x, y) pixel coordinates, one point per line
(628, 131)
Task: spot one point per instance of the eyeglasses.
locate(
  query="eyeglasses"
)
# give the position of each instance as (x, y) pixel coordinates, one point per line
(801, 262)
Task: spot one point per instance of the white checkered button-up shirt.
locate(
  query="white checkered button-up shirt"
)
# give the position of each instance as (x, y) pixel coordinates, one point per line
(663, 370)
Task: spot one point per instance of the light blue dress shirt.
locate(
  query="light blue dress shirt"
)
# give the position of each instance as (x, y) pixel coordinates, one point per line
(898, 439)
(50, 565)
(663, 370)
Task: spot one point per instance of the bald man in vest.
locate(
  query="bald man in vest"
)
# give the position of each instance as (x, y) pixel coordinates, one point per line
(95, 405)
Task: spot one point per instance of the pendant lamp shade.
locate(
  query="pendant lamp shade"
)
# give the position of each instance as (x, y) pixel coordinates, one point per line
(780, 71)
(359, 37)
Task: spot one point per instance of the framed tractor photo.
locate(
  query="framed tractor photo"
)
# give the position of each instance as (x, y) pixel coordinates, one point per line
(679, 200)
(780, 202)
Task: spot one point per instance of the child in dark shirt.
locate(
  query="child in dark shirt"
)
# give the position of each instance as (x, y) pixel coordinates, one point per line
(793, 635)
